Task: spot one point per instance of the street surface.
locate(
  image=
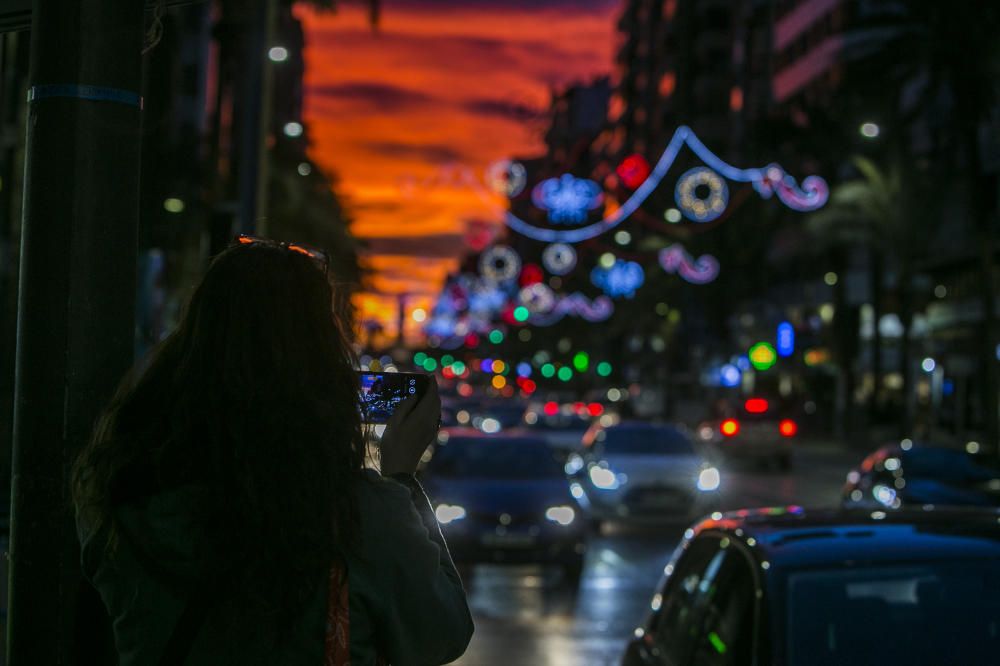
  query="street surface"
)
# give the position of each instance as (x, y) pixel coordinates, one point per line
(527, 616)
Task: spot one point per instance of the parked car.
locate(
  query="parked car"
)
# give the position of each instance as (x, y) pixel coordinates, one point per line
(641, 471)
(504, 498)
(910, 473)
(758, 430)
(829, 588)
(563, 432)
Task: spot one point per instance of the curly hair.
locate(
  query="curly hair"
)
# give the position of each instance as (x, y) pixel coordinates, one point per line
(254, 398)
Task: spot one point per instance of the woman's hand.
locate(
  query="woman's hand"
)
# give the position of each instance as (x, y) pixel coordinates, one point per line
(410, 430)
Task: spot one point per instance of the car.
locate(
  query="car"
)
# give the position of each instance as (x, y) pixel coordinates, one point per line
(830, 587)
(759, 430)
(562, 431)
(909, 473)
(504, 498)
(638, 471)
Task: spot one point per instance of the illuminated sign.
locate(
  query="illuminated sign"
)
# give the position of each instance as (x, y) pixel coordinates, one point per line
(785, 339)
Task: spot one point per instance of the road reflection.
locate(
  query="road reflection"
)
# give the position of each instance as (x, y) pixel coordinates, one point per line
(533, 616)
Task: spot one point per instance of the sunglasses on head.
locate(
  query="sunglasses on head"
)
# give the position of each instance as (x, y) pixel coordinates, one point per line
(320, 257)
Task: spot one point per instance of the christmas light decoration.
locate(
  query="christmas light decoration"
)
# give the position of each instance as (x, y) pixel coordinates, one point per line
(698, 209)
(567, 199)
(762, 356)
(576, 305)
(785, 339)
(633, 170)
(559, 258)
(621, 279)
(506, 177)
(675, 259)
(537, 298)
(530, 274)
(499, 264)
(767, 181)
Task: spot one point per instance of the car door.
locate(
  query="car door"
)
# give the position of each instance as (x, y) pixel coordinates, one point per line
(707, 612)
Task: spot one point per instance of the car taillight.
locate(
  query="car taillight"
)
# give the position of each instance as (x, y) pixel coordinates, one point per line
(730, 427)
(755, 405)
(788, 427)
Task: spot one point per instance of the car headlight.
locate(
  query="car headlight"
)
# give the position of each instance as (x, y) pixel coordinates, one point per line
(563, 515)
(448, 513)
(709, 479)
(603, 478)
(573, 464)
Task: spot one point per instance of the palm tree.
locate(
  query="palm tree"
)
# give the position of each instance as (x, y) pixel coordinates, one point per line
(871, 212)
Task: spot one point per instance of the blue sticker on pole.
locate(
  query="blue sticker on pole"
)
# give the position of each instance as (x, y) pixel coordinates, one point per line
(786, 339)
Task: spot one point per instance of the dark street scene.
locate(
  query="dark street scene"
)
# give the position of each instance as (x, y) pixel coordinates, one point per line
(522, 333)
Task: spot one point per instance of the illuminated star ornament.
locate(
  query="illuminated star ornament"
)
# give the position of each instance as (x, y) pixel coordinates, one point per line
(621, 279)
(567, 199)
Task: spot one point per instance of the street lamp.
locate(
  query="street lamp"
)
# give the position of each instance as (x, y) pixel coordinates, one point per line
(869, 130)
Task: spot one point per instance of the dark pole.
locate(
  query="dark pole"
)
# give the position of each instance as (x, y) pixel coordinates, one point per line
(76, 299)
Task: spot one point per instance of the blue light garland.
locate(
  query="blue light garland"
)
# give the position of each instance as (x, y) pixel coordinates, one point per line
(767, 181)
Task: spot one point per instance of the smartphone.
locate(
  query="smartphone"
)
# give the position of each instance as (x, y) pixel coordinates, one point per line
(382, 391)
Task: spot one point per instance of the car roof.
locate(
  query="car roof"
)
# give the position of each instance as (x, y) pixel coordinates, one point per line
(510, 434)
(792, 537)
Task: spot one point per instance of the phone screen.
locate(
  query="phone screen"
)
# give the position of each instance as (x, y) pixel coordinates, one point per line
(382, 391)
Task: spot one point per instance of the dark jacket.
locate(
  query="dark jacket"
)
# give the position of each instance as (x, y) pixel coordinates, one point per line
(405, 594)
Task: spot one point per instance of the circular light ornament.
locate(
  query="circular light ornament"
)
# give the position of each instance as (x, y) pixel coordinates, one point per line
(537, 298)
(762, 356)
(507, 177)
(698, 209)
(559, 258)
(499, 263)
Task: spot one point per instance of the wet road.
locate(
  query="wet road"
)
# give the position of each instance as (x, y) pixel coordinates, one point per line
(528, 616)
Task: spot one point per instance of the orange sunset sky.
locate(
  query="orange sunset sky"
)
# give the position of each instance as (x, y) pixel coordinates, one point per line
(405, 114)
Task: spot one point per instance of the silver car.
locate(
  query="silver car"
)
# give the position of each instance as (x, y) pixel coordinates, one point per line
(642, 472)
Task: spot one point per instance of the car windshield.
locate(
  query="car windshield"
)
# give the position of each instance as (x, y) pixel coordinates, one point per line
(494, 458)
(645, 441)
(948, 613)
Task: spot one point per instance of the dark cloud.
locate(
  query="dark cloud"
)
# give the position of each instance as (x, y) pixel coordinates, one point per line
(375, 94)
(436, 153)
(502, 108)
(431, 246)
(579, 6)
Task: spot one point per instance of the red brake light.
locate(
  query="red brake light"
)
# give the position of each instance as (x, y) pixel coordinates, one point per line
(788, 427)
(595, 408)
(551, 408)
(730, 427)
(755, 405)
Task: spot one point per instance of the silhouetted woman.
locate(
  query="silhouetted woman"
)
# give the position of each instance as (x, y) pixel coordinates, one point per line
(223, 507)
